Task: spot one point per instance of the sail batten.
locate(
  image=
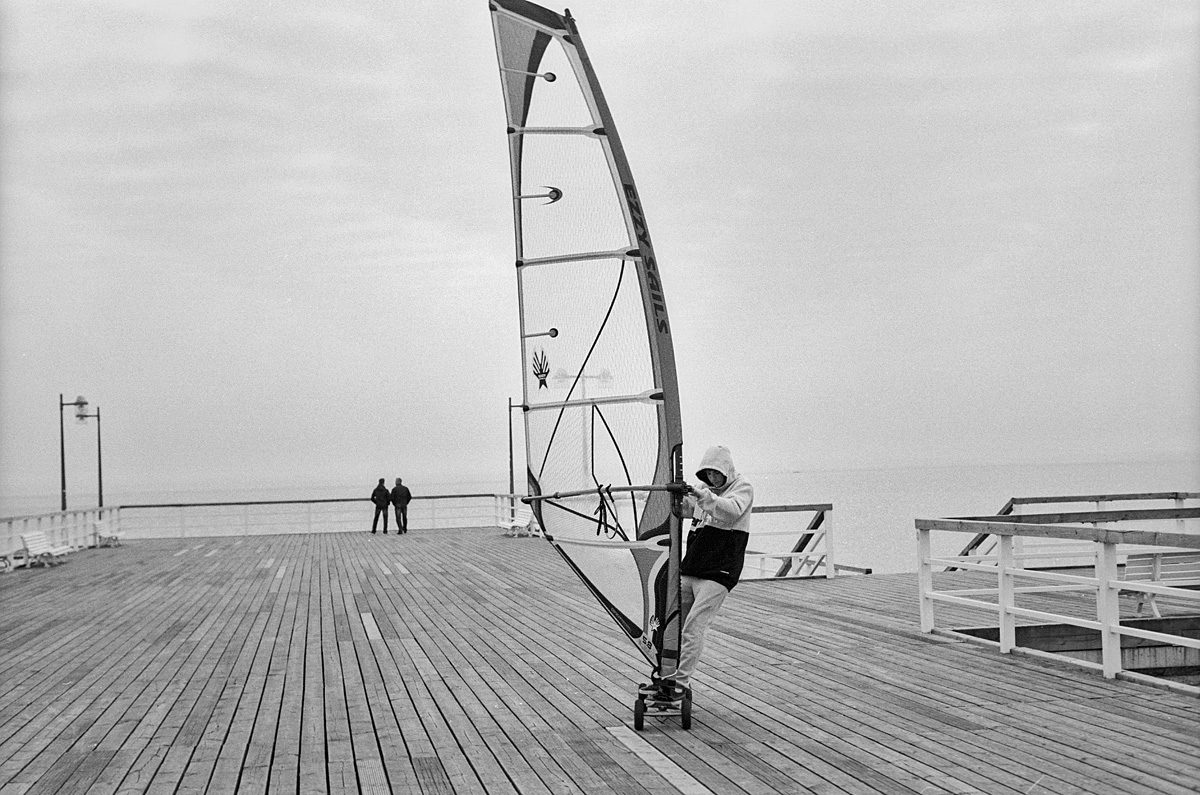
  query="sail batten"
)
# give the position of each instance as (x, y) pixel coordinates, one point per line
(600, 395)
(578, 257)
(649, 396)
(590, 132)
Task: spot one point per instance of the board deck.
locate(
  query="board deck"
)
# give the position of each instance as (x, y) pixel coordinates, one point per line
(464, 661)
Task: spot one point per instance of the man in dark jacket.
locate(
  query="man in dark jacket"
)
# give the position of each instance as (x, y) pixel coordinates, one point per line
(381, 498)
(401, 497)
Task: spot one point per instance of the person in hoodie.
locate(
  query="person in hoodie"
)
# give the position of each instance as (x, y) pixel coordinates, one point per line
(716, 551)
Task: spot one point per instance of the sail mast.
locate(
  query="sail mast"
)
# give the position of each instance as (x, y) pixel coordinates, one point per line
(662, 350)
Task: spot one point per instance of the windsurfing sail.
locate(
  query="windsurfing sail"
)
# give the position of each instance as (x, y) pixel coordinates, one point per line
(601, 402)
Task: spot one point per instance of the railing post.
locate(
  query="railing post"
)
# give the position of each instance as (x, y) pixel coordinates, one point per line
(1018, 545)
(925, 579)
(1108, 608)
(830, 566)
(1008, 628)
(1179, 522)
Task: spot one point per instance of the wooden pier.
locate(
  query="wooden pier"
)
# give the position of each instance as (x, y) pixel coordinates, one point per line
(461, 661)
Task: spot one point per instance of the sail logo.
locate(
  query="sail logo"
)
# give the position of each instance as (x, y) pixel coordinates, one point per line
(541, 368)
(647, 252)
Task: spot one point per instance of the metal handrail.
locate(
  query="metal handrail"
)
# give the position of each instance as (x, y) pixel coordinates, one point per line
(980, 539)
(1105, 582)
(77, 529)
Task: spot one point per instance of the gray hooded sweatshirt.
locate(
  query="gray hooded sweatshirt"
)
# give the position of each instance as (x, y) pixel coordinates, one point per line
(716, 549)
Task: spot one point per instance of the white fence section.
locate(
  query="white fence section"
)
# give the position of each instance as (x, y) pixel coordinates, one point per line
(1107, 543)
(276, 517)
(1060, 552)
(75, 529)
(787, 541)
(784, 545)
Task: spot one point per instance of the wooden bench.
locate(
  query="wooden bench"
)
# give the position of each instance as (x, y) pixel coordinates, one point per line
(106, 534)
(11, 558)
(38, 549)
(1177, 569)
(520, 525)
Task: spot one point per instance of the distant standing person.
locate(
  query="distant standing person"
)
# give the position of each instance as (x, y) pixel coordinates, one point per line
(401, 497)
(381, 498)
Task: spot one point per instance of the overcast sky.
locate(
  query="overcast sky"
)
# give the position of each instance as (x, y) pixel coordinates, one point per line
(274, 241)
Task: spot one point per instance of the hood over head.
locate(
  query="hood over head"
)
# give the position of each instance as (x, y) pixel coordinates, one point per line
(719, 458)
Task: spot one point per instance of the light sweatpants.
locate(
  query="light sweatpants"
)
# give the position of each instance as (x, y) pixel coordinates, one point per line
(699, 601)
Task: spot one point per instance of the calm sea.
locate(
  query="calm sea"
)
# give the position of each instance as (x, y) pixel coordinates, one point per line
(873, 510)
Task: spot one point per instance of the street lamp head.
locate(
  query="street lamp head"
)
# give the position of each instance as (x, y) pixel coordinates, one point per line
(81, 405)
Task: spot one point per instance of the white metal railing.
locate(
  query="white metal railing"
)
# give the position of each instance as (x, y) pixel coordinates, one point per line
(809, 549)
(273, 517)
(1073, 552)
(1105, 582)
(77, 529)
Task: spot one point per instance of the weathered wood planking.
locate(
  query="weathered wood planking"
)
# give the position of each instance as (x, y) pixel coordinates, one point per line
(463, 661)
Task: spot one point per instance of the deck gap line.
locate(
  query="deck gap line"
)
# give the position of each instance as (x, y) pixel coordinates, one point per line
(675, 775)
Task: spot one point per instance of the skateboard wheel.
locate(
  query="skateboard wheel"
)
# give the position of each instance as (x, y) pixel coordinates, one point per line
(685, 710)
(639, 714)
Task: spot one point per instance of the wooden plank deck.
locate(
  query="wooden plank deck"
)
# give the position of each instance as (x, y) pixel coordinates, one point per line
(462, 661)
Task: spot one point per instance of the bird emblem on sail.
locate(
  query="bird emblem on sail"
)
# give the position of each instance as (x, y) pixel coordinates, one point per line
(541, 368)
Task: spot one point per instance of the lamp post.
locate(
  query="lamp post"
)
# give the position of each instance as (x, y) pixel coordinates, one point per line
(605, 378)
(82, 416)
(62, 446)
(512, 500)
(80, 403)
(511, 482)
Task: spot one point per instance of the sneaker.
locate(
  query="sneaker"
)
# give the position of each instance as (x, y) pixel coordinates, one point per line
(672, 690)
(667, 691)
